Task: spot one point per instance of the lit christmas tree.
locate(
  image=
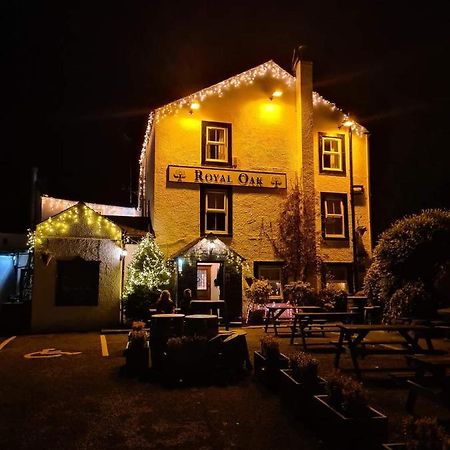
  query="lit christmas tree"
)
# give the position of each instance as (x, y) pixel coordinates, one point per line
(148, 274)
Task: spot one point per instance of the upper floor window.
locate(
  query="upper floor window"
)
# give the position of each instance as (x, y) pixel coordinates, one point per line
(215, 211)
(216, 143)
(332, 154)
(334, 216)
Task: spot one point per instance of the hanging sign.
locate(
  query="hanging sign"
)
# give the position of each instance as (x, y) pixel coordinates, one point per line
(226, 177)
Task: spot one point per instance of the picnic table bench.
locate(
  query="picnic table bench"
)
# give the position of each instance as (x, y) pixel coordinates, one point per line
(430, 378)
(307, 323)
(275, 310)
(353, 337)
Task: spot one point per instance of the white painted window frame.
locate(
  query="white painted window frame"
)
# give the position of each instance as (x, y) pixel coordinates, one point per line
(216, 210)
(224, 143)
(325, 152)
(340, 216)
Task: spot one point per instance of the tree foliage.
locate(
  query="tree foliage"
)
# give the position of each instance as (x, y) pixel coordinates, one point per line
(295, 241)
(148, 274)
(408, 260)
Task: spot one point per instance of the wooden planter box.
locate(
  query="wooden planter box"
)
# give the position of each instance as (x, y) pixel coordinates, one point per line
(267, 371)
(136, 358)
(297, 396)
(349, 433)
(396, 446)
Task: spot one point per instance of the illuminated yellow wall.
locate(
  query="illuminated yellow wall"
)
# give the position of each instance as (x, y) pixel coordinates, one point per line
(267, 136)
(263, 139)
(77, 232)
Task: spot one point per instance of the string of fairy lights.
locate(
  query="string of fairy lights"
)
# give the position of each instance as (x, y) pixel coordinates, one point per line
(245, 78)
(64, 224)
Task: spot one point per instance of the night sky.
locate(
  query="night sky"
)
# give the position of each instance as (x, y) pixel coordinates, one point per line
(81, 77)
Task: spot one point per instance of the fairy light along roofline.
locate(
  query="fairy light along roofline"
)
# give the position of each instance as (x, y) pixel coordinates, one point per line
(247, 77)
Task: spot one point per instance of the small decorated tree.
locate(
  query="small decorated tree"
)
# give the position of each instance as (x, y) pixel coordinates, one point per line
(148, 275)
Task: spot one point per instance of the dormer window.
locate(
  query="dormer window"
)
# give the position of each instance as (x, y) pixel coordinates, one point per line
(216, 143)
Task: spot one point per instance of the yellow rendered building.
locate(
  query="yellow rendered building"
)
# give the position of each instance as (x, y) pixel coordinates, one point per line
(216, 168)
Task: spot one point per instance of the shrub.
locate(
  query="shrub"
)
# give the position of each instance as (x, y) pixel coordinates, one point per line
(424, 434)
(138, 336)
(270, 347)
(304, 367)
(333, 299)
(347, 395)
(300, 293)
(414, 250)
(259, 291)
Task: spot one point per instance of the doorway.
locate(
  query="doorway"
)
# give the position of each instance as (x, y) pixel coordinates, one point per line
(209, 281)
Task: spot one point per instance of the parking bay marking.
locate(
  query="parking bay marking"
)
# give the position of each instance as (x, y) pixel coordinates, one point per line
(48, 353)
(6, 342)
(104, 345)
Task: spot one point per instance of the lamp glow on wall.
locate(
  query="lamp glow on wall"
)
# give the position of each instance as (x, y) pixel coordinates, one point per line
(194, 107)
(276, 94)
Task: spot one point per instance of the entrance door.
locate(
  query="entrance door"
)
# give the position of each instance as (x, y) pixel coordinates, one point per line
(210, 281)
(203, 281)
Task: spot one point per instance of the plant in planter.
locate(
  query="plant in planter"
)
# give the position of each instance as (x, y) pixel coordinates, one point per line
(423, 433)
(351, 422)
(137, 349)
(257, 295)
(300, 293)
(269, 361)
(333, 299)
(300, 383)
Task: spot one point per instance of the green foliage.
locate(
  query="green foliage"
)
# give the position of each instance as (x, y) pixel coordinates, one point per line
(333, 299)
(295, 241)
(409, 257)
(300, 293)
(304, 367)
(148, 275)
(270, 347)
(259, 291)
(424, 433)
(347, 395)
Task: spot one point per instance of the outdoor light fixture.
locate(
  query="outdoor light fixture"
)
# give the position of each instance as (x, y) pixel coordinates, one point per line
(123, 253)
(194, 107)
(348, 122)
(276, 94)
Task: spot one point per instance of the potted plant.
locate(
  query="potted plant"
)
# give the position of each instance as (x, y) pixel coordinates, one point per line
(351, 422)
(423, 433)
(269, 361)
(257, 295)
(137, 349)
(333, 300)
(300, 382)
(300, 293)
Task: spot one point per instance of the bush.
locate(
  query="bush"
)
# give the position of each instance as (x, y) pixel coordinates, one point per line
(416, 249)
(333, 299)
(424, 434)
(138, 336)
(347, 395)
(137, 304)
(300, 293)
(259, 291)
(304, 367)
(270, 347)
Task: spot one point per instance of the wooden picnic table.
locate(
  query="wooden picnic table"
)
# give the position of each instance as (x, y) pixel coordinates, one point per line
(353, 336)
(437, 386)
(274, 311)
(307, 322)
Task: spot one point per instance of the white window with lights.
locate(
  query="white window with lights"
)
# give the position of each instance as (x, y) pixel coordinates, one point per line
(332, 155)
(216, 147)
(216, 212)
(334, 218)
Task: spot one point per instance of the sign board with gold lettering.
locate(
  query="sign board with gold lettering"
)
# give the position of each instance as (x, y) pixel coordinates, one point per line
(226, 177)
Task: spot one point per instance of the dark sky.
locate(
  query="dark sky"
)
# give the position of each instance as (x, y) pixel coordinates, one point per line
(81, 77)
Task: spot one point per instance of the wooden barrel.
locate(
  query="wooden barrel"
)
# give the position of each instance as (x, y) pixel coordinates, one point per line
(166, 325)
(201, 325)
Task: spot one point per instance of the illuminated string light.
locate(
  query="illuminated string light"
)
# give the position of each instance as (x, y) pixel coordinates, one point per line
(72, 223)
(244, 78)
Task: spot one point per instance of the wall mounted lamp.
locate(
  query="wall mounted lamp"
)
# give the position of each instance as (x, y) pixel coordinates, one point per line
(276, 94)
(194, 107)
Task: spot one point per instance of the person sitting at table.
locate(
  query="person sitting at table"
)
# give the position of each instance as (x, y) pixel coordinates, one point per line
(186, 301)
(165, 305)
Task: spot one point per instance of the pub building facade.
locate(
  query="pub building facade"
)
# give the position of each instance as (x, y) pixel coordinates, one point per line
(216, 168)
